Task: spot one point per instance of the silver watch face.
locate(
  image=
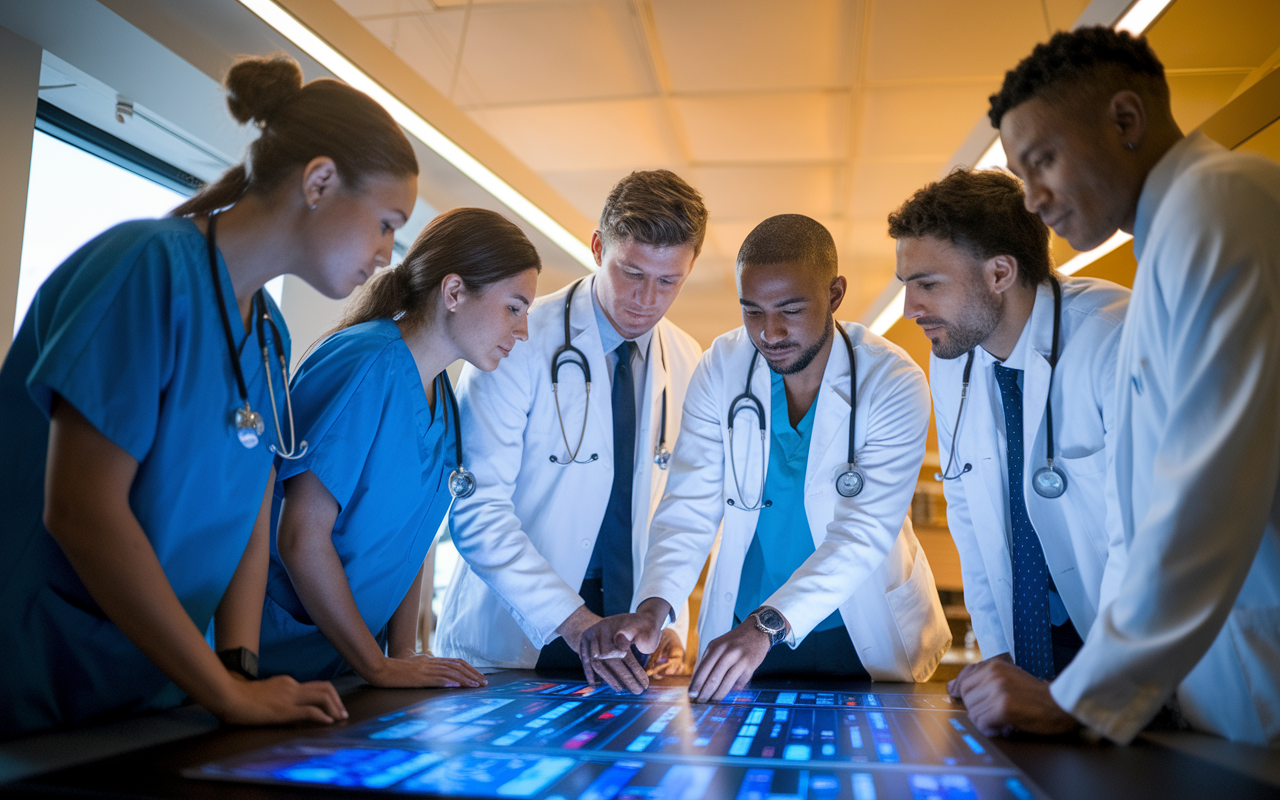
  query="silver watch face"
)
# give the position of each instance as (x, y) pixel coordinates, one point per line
(770, 621)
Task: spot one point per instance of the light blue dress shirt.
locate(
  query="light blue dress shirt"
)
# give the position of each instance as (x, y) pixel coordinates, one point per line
(783, 540)
(385, 456)
(127, 330)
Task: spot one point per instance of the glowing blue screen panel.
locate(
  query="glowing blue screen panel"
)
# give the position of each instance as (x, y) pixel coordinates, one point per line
(563, 740)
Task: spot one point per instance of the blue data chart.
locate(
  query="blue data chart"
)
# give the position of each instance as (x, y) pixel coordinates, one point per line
(564, 740)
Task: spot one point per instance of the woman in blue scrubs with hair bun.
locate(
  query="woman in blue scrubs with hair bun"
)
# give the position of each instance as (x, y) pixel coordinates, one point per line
(142, 413)
(355, 515)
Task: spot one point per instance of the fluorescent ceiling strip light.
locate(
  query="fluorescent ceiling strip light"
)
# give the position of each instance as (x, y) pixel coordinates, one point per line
(1140, 15)
(446, 148)
(1135, 20)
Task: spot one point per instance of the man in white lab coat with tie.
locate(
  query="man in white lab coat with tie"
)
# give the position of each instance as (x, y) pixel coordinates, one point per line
(1086, 123)
(1015, 348)
(569, 439)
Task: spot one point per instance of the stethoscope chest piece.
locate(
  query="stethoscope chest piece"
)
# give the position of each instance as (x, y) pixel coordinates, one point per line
(849, 483)
(662, 457)
(1049, 482)
(462, 483)
(249, 426)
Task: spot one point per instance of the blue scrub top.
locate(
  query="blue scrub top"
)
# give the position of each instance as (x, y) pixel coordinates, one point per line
(783, 540)
(128, 331)
(382, 453)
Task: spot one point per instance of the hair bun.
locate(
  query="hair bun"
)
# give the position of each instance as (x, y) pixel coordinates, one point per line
(257, 86)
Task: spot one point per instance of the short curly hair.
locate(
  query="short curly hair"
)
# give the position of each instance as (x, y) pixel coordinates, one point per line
(982, 211)
(1095, 58)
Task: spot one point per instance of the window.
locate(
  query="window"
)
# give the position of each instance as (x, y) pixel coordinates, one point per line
(82, 182)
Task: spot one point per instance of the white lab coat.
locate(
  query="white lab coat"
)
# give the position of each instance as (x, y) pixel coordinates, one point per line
(527, 534)
(867, 562)
(1077, 542)
(1196, 461)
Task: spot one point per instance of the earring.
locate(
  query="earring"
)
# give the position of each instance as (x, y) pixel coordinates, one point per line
(313, 206)
(1130, 145)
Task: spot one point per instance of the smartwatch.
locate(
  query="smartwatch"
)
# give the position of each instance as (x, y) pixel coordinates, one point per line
(240, 660)
(770, 621)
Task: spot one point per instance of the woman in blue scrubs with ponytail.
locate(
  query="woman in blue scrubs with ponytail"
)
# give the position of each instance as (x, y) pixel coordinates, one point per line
(355, 515)
(143, 399)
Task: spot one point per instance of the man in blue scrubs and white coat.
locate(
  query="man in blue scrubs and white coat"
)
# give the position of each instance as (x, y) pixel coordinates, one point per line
(849, 593)
(979, 281)
(1087, 125)
(555, 534)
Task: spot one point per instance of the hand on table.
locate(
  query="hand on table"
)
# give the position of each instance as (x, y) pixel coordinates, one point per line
(668, 659)
(279, 701)
(605, 647)
(1002, 698)
(728, 663)
(416, 670)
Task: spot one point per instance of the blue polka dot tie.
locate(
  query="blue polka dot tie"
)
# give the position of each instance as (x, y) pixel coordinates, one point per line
(1032, 637)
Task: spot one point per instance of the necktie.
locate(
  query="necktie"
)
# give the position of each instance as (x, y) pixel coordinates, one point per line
(1032, 637)
(614, 541)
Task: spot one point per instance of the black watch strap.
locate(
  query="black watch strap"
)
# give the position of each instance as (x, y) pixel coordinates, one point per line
(240, 660)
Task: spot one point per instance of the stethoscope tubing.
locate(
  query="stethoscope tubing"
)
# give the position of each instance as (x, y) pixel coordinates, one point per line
(1049, 481)
(848, 484)
(567, 353)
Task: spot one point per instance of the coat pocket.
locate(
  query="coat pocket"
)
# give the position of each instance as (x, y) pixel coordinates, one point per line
(917, 613)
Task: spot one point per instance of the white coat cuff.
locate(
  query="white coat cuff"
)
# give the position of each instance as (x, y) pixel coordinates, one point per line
(1118, 711)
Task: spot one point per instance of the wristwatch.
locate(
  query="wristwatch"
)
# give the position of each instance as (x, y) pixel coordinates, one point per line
(770, 621)
(240, 660)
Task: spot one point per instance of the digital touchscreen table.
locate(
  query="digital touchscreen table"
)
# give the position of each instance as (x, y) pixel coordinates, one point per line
(563, 740)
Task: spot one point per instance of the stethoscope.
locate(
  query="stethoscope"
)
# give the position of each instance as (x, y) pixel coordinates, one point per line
(848, 483)
(1049, 481)
(568, 354)
(249, 425)
(461, 482)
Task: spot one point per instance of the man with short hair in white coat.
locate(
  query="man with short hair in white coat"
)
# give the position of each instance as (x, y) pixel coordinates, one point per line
(812, 473)
(1087, 125)
(571, 436)
(1015, 349)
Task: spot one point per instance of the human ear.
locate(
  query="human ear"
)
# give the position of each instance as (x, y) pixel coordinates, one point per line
(319, 178)
(838, 288)
(452, 291)
(1001, 272)
(597, 247)
(1127, 116)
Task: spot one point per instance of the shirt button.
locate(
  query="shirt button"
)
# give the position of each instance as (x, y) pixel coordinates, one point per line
(586, 543)
(728, 595)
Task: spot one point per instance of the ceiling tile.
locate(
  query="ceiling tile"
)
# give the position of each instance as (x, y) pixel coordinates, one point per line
(922, 122)
(586, 189)
(618, 135)
(880, 188)
(361, 9)
(800, 126)
(926, 39)
(731, 45)
(532, 53)
(756, 192)
(1209, 33)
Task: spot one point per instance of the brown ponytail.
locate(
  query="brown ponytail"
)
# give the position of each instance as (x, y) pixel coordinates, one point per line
(300, 123)
(480, 246)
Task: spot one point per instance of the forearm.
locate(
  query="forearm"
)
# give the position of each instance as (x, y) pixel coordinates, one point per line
(238, 618)
(402, 630)
(321, 583)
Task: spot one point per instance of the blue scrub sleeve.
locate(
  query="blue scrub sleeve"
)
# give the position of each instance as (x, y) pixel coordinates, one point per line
(107, 348)
(340, 396)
